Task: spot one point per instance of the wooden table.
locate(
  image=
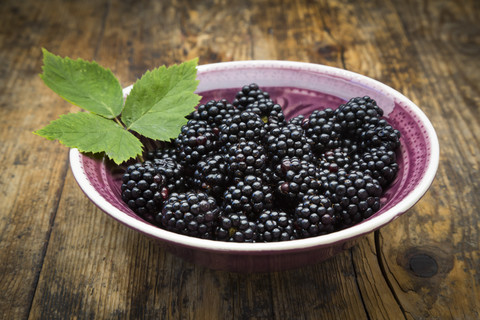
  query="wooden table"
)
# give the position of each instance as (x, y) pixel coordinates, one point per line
(62, 258)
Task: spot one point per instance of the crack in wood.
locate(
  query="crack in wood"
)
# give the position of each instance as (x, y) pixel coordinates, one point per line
(51, 222)
(384, 272)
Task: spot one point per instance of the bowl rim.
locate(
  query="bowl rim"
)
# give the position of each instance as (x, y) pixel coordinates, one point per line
(337, 237)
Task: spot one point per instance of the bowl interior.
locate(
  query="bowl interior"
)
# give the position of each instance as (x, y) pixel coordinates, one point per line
(301, 88)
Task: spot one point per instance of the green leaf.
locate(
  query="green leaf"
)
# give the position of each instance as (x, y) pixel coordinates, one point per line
(92, 133)
(158, 103)
(82, 83)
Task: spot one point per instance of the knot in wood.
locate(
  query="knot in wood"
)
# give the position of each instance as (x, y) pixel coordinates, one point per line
(423, 265)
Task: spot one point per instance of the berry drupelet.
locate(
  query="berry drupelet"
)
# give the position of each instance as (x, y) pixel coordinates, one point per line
(192, 213)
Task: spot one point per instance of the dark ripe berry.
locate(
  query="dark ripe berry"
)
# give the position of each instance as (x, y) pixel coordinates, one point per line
(357, 112)
(193, 213)
(294, 179)
(314, 216)
(173, 173)
(144, 189)
(378, 134)
(321, 127)
(380, 163)
(298, 120)
(246, 125)
(248, 197)
(246, 158)
(288, 141)
(212, 175)
(354, 195)
(336, 159)
(273, 226)
(249, 95)
(167, 152)
(235, 227)
(214, 112)
(267, 109)
(195, 141)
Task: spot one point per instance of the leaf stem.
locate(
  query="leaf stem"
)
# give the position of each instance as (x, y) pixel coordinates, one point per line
(119, 122)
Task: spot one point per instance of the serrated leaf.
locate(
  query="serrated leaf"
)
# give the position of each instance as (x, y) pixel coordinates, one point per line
(82, 83)
(92, 133)
(158, 103)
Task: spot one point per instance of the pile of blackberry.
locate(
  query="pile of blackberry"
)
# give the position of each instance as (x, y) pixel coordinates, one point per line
(239, 171)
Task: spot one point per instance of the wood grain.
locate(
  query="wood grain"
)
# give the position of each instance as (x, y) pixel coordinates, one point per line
(62, 258)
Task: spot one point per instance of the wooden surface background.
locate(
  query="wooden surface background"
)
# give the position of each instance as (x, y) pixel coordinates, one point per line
(62, 258)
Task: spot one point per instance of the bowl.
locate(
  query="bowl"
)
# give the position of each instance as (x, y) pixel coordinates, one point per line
(300, 88)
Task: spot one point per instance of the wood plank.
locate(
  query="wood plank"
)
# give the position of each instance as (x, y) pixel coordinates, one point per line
(32, 169)
(432, 250)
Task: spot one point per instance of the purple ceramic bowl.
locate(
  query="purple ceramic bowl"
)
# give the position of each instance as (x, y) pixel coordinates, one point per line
(299, 88)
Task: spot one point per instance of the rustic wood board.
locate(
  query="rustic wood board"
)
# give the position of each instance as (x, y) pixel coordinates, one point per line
(61, 257)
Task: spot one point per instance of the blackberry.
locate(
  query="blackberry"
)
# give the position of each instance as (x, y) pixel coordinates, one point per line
(235, 227)
(214, 112)
(354, 196)
(195, 141)
(246, 158)
(248, 95)
(298, 120)
(267, 110)
(322, 128)
(314, 216)
(144, 189)
(192, 213)
(379, 133)
(356, 112)
(248, 197)
(246, 125)
(289, 140)
(162, 153)
(380, 163)
(273, 225)
(172, 171)
(336, 159)
(294, 179)
(211, 175)
(276, 115)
